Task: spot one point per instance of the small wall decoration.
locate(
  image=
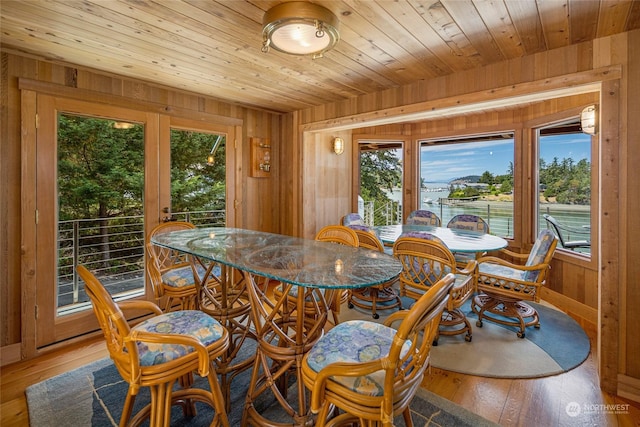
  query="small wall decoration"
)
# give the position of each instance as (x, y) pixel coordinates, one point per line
(260, 157)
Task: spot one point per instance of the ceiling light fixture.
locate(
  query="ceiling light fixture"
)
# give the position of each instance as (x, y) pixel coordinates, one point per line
(299, 28)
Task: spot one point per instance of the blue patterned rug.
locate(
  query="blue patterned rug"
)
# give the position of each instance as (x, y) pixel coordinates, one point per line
(93, 395)
(559, 345)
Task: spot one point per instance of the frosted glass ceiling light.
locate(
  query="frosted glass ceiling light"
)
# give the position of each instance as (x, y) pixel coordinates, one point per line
(299, 28)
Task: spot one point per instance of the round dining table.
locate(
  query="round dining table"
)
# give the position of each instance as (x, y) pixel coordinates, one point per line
(291, 282)
(457, 240)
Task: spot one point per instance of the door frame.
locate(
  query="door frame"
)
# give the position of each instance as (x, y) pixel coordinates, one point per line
(38, 246)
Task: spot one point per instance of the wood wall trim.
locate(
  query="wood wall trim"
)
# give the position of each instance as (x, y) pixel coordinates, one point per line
(532, 91)
(121, 101)
(609, 230)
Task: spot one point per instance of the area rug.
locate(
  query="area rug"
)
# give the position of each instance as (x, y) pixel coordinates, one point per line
(93, 395)
(559, 345)
(495, 351)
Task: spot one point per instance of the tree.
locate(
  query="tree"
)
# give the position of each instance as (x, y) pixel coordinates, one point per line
(100, 168)
(195, 184)
(380, 173)
(487, 178)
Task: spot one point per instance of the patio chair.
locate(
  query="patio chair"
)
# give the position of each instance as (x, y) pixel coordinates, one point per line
(423, 217)
(383, 296)
(425, 260)
(372, 371)
(158, 352)
(564, 231)
(504, 287)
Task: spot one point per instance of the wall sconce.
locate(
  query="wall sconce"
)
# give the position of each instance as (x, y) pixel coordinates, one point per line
(299, 28)
(589, 120)
(338, 145)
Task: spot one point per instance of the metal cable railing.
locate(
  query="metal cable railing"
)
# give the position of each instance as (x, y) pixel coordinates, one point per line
(113, 249)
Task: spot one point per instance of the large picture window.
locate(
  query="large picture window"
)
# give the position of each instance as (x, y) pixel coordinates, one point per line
(469, 175)
(564, 184)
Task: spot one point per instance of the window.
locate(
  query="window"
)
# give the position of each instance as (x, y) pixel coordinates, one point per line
(564, 184)
(380, 195)
(469, 175)
(100, 187)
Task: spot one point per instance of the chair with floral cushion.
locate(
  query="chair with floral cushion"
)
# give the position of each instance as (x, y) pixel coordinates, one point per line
(366, 372)
(471, 223)
(423, 217)
(504, 287)
(159, 352)
(174, 281)
(342, 235)
(425, 260)
(352, 219)
(338, 234)
(382, 296)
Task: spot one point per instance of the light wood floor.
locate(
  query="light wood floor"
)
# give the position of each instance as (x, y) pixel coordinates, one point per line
(534, 402)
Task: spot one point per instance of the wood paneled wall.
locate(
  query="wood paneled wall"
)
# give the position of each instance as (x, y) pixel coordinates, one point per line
(611, 63)
(257, 204)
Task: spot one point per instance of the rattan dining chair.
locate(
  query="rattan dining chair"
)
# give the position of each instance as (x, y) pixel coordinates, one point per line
(342, 235)
(374, 298)
(504, 287)
(472, 223)
(425, 260)
(170, 273)
(352, 219)
(423, 217)
(338, 234)
(369, 371)
(158, 352)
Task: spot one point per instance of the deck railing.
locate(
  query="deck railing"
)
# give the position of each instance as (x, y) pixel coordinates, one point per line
(113, 249)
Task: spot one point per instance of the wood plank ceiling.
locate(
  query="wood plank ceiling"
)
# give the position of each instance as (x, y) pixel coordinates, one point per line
(213, 47)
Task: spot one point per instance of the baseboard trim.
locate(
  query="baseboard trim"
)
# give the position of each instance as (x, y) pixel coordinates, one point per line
(10, 354)
(570, 306)
(629, 387)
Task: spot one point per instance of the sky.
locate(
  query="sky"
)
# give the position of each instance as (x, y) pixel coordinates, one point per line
(449, 161)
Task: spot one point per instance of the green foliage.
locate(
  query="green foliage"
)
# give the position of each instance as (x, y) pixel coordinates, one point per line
(195, 184)
(100, 169)
(567, 181)
(380, 172)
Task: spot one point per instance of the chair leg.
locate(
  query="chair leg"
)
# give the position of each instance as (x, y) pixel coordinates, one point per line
(128, 407)
(219, 405)
(408, 421)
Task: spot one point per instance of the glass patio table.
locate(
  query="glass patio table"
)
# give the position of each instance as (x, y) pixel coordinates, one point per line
(291, 282)
(455, 239)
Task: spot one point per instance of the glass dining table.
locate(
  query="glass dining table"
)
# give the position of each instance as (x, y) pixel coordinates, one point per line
(456, 240)
(291, 282)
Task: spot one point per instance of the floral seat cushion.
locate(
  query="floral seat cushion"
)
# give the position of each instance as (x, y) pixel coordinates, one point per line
(355, 341)
(183, 276)
(352, 219)
(510, 278)
(193, 323)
